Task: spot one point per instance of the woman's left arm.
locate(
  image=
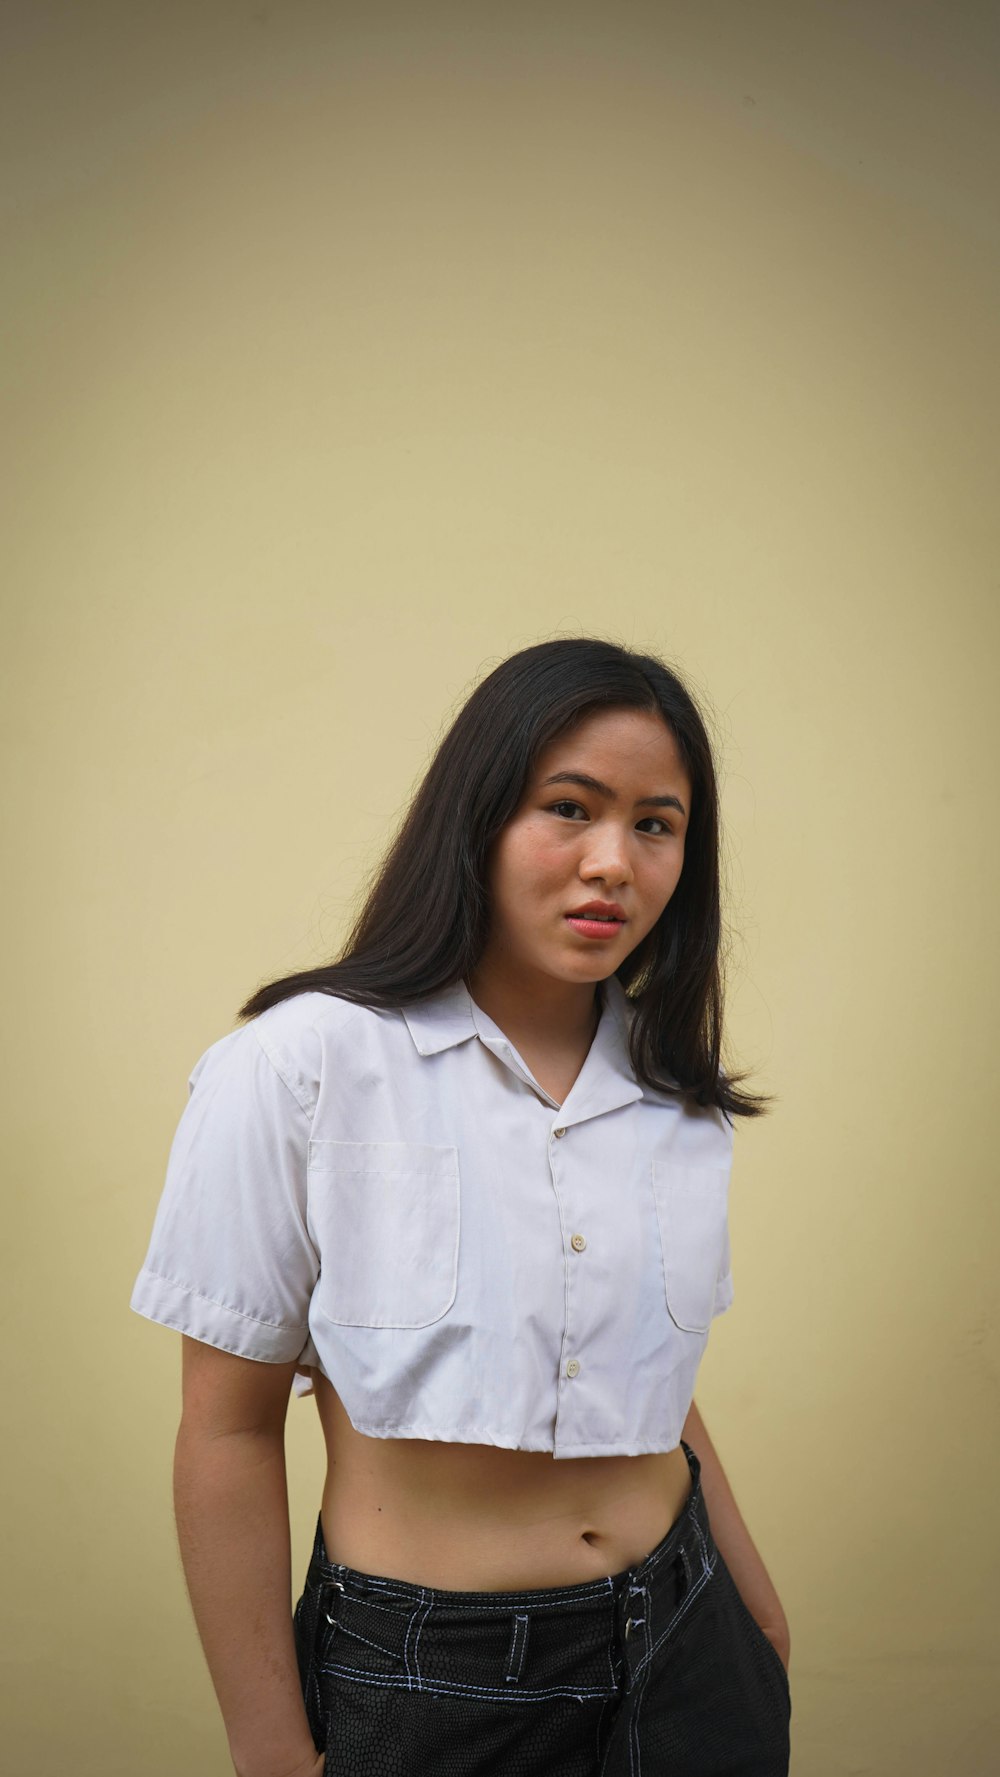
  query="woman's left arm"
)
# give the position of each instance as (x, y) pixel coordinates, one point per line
(734, 1540)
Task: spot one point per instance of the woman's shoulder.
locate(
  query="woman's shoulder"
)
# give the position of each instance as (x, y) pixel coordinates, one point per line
(289, 1038)
(290, 1019)
(296, 1032)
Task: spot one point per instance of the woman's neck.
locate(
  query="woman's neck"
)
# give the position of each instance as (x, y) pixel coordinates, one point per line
(558, 1015)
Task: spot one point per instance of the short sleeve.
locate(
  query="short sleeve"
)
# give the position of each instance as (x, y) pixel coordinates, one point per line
(230, 1259)
(724, 1281)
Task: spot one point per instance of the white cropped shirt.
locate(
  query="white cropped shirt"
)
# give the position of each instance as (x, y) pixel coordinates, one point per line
(391, 1196)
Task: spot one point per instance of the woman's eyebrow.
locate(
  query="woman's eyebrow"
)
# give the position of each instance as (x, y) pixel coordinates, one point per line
(594, 783)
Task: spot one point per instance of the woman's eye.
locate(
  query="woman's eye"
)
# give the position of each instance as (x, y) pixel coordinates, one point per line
(664, 826)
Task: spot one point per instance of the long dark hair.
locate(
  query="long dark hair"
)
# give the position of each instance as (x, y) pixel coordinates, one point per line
(425, 918)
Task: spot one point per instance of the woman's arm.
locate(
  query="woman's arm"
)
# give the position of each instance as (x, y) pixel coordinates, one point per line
(231, 1504)
(734, 1540)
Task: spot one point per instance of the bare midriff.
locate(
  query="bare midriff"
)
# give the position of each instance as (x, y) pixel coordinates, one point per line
(477, 1518)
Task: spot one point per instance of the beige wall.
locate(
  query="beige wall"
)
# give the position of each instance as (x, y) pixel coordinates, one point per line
(349, 349)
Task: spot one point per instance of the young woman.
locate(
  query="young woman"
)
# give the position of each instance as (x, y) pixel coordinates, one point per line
(469, 1185)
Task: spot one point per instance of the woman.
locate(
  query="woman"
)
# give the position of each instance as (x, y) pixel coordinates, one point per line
(469, 1185)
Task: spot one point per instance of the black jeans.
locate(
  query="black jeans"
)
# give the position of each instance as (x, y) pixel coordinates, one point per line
(658, 1671)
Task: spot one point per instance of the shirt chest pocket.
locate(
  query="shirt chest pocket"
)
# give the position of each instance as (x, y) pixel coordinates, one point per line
(386, 1216)
(692, 1204)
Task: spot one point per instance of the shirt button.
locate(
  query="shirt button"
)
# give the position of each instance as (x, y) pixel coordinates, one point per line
(578, 1243)
(559, 1132)
(573, 1367)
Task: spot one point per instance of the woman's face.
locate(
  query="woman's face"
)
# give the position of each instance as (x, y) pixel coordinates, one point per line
(603, 818)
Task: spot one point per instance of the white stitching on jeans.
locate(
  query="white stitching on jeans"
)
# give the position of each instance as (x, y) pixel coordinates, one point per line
(389, 1610)
(356, 1635)
(428, 1608)
(512, 1600)
(675, 1619)
(313, 1673)
(633, 1726)
(707, 1565)
(609, 1652)
(451, 1687)
(406, 1644)
(518, 1645)
(643, 1621)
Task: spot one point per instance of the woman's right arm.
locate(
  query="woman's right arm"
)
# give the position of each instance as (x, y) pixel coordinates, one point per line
(231, 1505)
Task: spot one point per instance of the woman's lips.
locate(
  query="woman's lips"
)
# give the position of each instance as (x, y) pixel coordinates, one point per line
(589, 927)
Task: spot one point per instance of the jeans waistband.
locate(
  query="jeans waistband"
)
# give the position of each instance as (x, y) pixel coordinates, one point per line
(646, 1594)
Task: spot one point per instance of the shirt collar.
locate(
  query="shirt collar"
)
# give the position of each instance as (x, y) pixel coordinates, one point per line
(448, 1017)
(441, 1019)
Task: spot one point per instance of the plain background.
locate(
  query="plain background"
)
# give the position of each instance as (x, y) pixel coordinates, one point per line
(349, 348)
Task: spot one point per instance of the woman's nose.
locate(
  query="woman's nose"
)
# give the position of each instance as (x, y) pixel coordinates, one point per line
(609, 861)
